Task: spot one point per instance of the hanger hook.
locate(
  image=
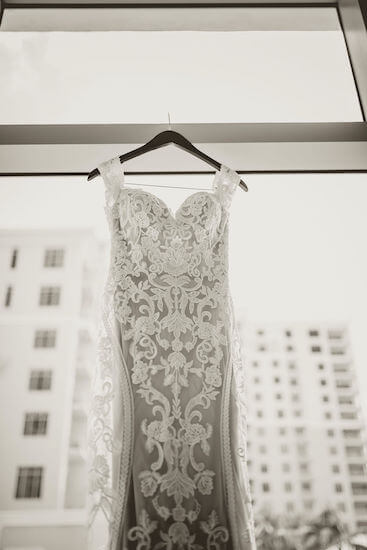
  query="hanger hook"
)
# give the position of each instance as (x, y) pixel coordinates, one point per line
(169, 121)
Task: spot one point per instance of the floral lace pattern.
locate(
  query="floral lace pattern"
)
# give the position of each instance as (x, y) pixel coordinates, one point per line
(167, 423)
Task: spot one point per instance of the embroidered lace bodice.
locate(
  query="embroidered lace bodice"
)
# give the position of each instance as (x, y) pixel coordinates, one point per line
(167, 422)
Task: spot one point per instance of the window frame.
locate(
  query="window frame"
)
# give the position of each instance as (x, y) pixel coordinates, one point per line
(74, 149)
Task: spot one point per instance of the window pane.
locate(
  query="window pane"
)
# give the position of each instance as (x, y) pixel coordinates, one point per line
(292, 67)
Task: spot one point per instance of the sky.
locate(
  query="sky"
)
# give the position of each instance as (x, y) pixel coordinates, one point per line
(297, 242)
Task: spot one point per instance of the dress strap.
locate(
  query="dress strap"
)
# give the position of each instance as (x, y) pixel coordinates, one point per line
(226, 184)
(113, 176)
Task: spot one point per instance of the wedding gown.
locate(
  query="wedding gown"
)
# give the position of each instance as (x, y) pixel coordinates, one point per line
(167, 456)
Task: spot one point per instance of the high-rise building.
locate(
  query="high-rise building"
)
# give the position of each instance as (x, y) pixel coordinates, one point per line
(50, 281)
(306, 431)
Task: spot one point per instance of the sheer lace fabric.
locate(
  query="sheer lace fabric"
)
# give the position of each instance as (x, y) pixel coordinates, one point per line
(167, 421)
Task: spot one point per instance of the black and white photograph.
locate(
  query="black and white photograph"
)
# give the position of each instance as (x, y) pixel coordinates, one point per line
(183, 275)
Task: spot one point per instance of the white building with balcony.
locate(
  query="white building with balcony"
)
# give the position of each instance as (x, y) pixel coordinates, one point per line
(306, 440)
(50, 281)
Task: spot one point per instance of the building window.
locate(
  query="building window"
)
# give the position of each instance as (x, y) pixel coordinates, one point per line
(325, 398)
(290, 506)
(50, 296)
(328, 415)
(261, 431)
(14, 258)
(357, 469)
(45, 339)
(335, 334)
(297, 413)
(280, 413)
(262, 449)
(299, 430)
(303, 466)
(35, 424)
(275, 363)
(284, 449)
(323, 382)
(291, 366)
(348, 415)
(341, 367)
(359, 488)
(289, 348)
(308, 504)
(336, 469)
(321, 366)
(286, 467)
(8, 296)
(316, 349)
(333, 450)
(278, 396)
(293, 381)
(276, 379)
(282, 430)
(40, 380)
(288, 486)
(338, 487)
(258, 396)
(330, 433)
(255, 364)
(264, 468)
(29, 482)
(262, 347)
(54, 258)
(295, 397)
(313, 333)
(256, 380)
(337, 351)
(306, 486)
(288, 333)
(266, 487)
(343, 384)
(351, 434)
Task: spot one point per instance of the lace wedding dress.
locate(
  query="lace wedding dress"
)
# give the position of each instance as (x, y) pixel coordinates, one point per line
(167, 457)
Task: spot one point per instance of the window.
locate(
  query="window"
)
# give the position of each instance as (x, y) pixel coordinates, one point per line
(40, 380)
(354, 451)
(264, 468)
(288, 333)
(284, 449)
(335, 334)
(335, 469)
(266, 487)
(261, 347)
(337, 351)
(325, 398)
(262, 449)
(280, 413)
(295, 397)
(276, 379)
(275, 363)
(54, 258)
(45, 339)
(35, 424)
(50, 296)
(330, 433)
(306, 486)
(321, 366)
(348, 415)
(8, 296)
(303, 466)
(351, 434)
(342, 384)
(258, 396)
(359, 488)
(316, 349)
(282, 430)
(259, 414)
(290, 507)
(360, 507)
(286, 467)
(288, 486)
(291, 365)
(323, 382)
(333, 450)
(328, 415)
(29, 482)
(14, 258)
(341, 367)
(293, 381)
(313, 333)
(278, 396)
(357, 469)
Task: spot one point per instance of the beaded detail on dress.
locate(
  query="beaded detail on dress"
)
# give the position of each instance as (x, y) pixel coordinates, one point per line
(167, 421)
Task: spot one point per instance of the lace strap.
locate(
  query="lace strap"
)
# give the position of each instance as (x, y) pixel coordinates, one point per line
(113, 177)
(226, 185)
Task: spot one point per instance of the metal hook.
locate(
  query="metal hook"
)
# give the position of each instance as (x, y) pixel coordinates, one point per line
(169, 122)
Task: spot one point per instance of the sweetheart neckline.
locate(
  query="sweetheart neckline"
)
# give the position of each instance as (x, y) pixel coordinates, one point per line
(216, 180)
